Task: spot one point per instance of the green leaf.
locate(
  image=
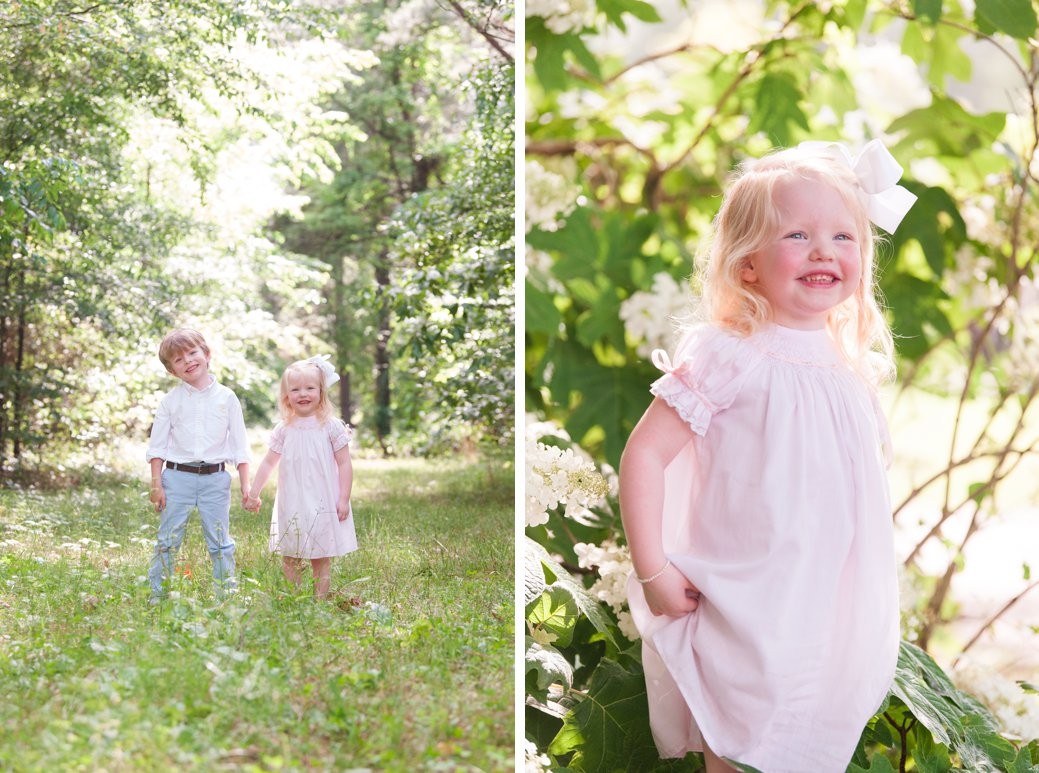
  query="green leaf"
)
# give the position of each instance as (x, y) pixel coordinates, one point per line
(615, 10)
(612, 398)
(540, 312)
(914, 304)
(551, 53)
(600, 729)
(938, 47)
(953, 717)
(928, 9)
(777, 108)
(587, 604)
(602, 321)
(576, 243)
(983, 748)
(533, 575)
(962, 133)
(555, 611)
(547, 664)
(878, 764)
(1017, 18)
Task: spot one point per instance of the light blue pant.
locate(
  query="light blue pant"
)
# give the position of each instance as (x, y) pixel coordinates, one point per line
(211, 494)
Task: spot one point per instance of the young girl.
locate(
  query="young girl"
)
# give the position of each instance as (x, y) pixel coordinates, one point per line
(312, 515)
(753, 490)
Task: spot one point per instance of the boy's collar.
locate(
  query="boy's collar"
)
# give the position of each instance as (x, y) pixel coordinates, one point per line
(186, 385)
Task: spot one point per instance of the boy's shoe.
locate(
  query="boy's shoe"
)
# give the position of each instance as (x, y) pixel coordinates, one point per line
(154, 600)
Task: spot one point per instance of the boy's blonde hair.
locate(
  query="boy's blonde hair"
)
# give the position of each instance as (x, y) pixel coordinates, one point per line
(300, 368)
(178, 341)
(748, 219)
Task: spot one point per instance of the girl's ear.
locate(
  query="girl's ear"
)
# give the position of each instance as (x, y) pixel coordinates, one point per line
(748, 273)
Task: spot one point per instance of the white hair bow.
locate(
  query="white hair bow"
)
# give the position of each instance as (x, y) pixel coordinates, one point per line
(878, 174)
(326, 369)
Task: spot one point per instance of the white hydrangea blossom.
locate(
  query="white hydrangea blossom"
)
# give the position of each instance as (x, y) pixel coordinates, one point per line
(1016, 711)
(979, 215)
(563, 16)
(649, 317)
(550, 194)
(559, 476)
(534, 762)
(613, 564)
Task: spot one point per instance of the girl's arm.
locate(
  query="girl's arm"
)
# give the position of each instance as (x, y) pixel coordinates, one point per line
(655, 441)
(346, 481)
(263, 473)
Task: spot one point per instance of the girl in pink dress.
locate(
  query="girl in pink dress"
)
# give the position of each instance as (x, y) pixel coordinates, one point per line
(312, 515)
(753, 490)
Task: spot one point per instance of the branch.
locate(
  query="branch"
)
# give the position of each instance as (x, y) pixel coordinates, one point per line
(988, 623)
(480, 30)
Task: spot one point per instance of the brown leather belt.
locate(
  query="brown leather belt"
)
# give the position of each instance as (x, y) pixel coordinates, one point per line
(205, 469)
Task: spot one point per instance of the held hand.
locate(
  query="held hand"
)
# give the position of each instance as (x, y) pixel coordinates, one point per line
(251, 503)
(343, 510)
(671, 594)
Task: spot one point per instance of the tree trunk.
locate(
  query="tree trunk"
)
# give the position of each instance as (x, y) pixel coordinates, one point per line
(341, 336)
(382, 356)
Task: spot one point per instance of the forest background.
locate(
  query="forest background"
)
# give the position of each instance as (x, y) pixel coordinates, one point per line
(290, 178)
(636, 112)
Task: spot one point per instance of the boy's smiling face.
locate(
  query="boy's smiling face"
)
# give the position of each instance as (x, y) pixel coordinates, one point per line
(191, 366)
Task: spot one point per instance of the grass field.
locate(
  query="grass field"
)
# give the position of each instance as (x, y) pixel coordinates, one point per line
(408, 666)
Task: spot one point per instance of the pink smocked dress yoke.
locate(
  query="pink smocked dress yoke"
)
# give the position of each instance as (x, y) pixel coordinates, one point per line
(777, 510)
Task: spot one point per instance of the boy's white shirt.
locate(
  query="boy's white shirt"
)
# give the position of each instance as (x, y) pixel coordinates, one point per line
(199, 425)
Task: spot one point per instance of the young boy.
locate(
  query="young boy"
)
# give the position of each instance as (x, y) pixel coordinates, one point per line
(199, 429)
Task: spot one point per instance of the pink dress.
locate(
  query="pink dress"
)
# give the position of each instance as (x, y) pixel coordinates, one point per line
(777, 510)
(304, 523)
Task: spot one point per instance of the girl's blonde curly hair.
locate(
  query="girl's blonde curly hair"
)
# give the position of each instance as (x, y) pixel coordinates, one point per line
(748, 219)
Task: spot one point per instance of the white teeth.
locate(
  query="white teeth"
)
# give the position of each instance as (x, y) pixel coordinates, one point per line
(820, 278)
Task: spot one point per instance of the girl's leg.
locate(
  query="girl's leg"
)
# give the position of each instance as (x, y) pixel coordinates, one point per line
(716, 764)
(322, 576)
(290, 566)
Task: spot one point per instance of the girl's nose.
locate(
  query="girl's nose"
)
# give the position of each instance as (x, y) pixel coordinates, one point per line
(822, 251)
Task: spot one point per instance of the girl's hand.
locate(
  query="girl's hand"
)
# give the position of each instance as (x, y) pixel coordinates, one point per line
(343, 510)
(251, 503)
(671, 594)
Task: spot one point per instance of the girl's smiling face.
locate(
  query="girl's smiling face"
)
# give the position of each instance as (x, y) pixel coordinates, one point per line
(191, 366)
(813, 263)
(304, 391)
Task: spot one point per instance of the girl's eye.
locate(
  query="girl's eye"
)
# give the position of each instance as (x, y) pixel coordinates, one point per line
(846, 237)
(797, 235)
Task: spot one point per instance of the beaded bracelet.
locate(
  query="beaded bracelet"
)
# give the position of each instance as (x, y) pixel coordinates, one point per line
(663, 569)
